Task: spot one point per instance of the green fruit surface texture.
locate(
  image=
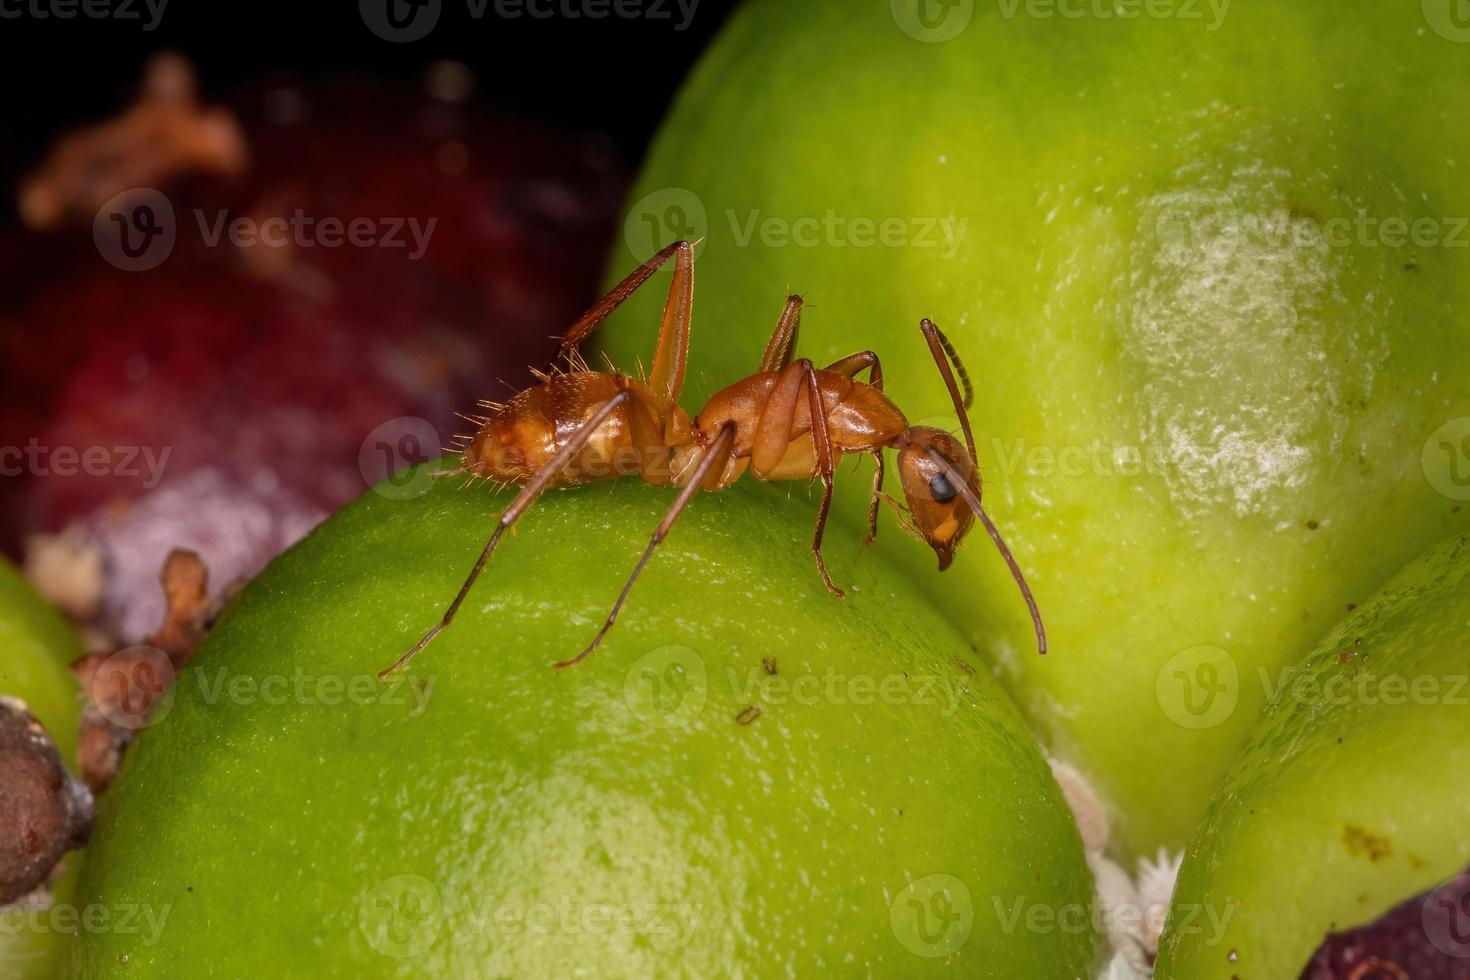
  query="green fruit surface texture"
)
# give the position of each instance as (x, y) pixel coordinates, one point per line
(1350, 797)
(886, 813)
(36, 645)
(1208, 266)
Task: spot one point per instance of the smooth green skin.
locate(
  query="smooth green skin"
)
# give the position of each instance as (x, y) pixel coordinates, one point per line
(36, 644)
(275, 835)
(1282, 858)
(1102, 300)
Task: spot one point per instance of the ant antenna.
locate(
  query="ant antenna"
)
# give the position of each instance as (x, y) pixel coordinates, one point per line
(944, 354)
(957, 480)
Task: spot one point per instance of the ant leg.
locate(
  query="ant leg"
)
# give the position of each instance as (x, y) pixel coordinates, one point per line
(958, 481)
(877, 497)
(826, 464)
(519, 506)
(774, 436)
(783, 338)
(854, 364)
(774, 430)
(716, 453)
(667, 375)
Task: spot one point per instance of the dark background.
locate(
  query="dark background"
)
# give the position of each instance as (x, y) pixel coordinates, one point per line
(615, 75)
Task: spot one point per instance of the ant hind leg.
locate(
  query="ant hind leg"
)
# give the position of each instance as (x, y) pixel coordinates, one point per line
(716, 453)
(667, 374)
(519, 506)
(783, 338)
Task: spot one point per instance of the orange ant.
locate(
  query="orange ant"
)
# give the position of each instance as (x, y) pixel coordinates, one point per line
(788, 421)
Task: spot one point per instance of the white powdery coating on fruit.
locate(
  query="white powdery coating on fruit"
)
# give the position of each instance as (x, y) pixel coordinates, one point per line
(1246, 350)
(235, 529)
(1118, 904)
(1087, 809)
(1120, 967)
(1155, 882)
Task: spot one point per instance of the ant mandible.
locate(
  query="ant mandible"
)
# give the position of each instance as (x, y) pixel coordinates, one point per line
(788, 421)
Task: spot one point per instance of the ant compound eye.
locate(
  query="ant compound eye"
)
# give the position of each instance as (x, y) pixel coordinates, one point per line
(941, 489)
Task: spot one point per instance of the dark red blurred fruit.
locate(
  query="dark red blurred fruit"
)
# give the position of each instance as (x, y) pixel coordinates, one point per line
(1425, 938)
(225, 395)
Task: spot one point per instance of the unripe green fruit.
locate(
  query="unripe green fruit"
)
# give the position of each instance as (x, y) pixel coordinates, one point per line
(488, 816)
(1209, 270)
(1349, 798)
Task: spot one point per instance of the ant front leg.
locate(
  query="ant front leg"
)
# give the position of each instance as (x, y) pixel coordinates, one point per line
(776, 431)
(826, 465)
(519, 506)
(852, 365)
(876, 499)
(672, 351)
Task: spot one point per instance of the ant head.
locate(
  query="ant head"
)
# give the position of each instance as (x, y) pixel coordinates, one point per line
(937, 510)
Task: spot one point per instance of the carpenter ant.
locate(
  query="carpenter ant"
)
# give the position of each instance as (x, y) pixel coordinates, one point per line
(788, 421)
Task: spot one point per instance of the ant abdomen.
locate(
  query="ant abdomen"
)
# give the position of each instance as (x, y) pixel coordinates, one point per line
(523, 435)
